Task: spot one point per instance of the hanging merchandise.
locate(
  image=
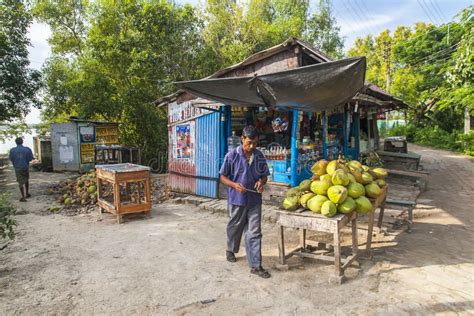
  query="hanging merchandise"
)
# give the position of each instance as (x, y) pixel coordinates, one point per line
(280, 124)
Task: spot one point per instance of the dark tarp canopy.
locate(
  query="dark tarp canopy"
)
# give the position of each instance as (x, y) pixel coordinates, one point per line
(311, 88)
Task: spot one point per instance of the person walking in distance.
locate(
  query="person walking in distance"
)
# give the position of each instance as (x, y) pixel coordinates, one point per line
(20, 156)
(245, 173)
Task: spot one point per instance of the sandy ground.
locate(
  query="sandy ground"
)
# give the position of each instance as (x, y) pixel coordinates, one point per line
(173, 262)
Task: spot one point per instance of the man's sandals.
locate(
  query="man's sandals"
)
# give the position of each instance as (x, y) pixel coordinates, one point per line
(230, 256)
(261, 272)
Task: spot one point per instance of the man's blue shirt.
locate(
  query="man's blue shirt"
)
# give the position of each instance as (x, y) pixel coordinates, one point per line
(239, 170)
(20, 157)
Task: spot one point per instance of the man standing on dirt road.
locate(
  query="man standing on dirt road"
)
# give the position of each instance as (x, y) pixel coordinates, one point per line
(245, 172)
(20, 157)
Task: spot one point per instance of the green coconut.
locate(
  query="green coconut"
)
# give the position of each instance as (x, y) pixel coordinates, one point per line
(347, 206)
(352, 179)
(304, 199)
(320, 187)
(319, 167)
(339, 177)
(305, 185)
(363, 205)
(91, 189)
(332, 167)
(354, 190)
(367, 178)
(337, 194)
(315, 203)
(293, 192)
(372, 190)
(354, 164)
(290, 203)
(380, 173)
(325, 178)
(381, 183)
(328, 209)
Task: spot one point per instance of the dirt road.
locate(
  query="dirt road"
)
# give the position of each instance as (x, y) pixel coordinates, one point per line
(168, 264)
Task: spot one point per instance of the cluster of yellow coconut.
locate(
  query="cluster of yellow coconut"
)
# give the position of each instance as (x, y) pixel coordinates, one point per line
(337, 186)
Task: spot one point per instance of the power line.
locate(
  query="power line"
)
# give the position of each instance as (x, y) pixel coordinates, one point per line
(433, 7)
(427, 5)
(426, 12)
(445, 52)
(436, 28)
(355, 18)
(365, 16)
(439, 9)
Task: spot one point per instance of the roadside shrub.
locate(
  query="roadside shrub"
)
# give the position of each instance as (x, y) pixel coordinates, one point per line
(7, 210)
(436, 137)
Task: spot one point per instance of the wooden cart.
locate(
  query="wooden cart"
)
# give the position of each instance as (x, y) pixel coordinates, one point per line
(123, 189)
(307, 220)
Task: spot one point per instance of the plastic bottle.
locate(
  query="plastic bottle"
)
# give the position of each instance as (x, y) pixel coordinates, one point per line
(233, 141)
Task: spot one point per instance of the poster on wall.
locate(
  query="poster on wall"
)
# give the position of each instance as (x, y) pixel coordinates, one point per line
(87, 134)
(183, 141)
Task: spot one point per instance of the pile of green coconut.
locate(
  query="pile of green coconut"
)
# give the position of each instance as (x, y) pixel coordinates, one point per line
(79, 191)
(337, 187)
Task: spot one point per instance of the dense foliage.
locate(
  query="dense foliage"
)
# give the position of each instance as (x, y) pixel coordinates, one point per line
(111, 61)
(7, 223)
(18, 83)
(431, 69)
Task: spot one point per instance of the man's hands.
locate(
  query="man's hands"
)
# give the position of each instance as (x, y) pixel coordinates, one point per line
(239, 187)
(259, 186)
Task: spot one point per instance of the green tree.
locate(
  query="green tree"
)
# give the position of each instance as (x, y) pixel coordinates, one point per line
(129, 55)
(322, 31)
(18, 83)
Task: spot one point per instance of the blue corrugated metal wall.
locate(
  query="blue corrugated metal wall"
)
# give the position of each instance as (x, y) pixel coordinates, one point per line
(207, 155)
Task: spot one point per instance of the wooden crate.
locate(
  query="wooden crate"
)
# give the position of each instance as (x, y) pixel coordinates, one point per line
(123, 189)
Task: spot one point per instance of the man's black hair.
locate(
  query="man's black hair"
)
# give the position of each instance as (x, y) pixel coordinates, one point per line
(250, 132)
(19, 141)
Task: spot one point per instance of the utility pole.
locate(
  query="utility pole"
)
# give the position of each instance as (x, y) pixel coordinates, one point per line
(387, 54)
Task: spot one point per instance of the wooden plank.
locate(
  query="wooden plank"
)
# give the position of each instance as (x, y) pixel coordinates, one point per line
(314, 256)
(355, 242)
(293, 252)
(348, 261)
(303, 238)
(337, 254)
(406, 173)
(311, 223)
(281, 245)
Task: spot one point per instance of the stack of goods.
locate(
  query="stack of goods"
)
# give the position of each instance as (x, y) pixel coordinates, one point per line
(337, 186)
(81, 191)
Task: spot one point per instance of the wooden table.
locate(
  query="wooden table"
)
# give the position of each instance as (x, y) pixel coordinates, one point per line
(123, 189)
(307, 220)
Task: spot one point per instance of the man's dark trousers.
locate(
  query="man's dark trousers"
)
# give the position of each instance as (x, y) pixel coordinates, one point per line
(246, 220)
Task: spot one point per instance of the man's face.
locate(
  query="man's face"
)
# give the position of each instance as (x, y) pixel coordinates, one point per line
(249, 144)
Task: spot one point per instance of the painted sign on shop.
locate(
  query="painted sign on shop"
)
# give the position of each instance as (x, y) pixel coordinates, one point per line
(183, 141)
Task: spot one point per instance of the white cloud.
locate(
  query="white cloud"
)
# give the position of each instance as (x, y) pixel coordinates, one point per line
(355, 26)
(38, 33)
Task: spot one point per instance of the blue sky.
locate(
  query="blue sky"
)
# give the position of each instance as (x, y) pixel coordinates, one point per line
(356, 18)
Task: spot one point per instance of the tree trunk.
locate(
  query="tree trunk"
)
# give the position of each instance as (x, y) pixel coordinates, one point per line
(467, 120)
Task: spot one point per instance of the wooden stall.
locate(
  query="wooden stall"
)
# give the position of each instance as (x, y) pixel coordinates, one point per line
(201, 130)
(306, 220)
(123, 189)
